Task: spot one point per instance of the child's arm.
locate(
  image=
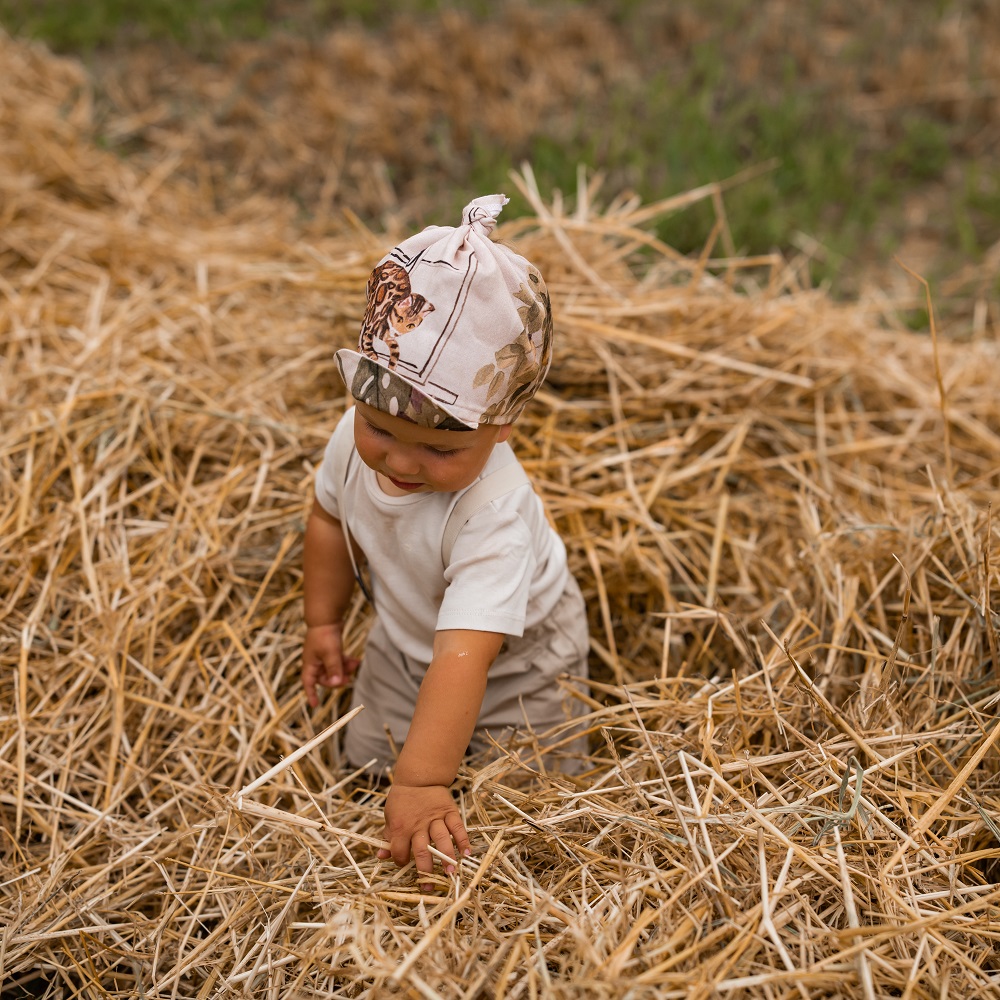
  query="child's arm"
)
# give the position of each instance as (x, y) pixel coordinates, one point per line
(328, 581)
(419, 809)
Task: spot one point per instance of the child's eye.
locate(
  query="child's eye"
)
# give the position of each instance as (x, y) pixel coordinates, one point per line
(377, 431)
(442, 451)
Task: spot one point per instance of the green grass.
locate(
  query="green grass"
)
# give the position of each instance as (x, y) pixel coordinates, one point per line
(672, 138)
(976, 209)
(679, 124)
(81, 26)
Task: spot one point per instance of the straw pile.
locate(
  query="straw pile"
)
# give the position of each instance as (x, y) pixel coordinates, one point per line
(779, 511)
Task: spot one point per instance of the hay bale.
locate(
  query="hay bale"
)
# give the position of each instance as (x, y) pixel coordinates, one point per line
(779, 511)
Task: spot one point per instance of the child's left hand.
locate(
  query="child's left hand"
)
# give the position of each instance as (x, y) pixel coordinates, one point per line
(418, 817)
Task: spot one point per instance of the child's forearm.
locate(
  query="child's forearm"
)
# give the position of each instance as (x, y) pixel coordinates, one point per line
(328, 578)
(447, 708)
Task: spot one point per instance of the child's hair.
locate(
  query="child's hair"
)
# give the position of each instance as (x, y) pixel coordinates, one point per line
(457, 330)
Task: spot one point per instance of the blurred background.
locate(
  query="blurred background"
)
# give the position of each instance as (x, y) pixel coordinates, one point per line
(844, 132)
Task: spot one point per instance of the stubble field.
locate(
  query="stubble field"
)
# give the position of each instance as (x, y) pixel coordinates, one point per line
(778, 504)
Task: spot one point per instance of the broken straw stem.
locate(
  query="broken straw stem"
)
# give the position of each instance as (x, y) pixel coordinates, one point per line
(295, 755)
(283, 816)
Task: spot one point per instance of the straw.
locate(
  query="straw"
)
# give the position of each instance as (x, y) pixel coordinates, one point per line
(777, 506)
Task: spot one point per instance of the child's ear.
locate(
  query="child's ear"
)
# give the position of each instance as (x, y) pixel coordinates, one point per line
(505, 430)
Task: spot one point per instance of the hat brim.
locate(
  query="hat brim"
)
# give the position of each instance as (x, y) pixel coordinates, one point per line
(374, 384)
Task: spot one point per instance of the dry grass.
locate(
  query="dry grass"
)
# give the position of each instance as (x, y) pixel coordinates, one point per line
(901, 109)
(779, 510)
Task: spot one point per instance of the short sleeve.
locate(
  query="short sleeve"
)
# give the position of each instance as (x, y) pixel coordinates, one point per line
(328, 480)
(489, 578)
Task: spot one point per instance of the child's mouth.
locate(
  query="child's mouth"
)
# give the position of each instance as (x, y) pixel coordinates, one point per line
(404, 486)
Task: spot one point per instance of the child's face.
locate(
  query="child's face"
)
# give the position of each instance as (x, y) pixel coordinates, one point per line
(413, 459)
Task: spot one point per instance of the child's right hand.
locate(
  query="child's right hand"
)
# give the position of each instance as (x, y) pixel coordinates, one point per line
(324, 662)
(417, 817)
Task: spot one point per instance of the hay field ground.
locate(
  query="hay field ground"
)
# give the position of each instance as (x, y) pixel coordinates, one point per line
(855, 132)
(780, 508)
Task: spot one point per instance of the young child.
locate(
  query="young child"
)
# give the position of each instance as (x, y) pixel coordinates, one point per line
(476, 612)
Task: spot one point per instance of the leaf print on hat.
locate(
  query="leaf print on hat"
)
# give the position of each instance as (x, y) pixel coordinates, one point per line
(520, 366)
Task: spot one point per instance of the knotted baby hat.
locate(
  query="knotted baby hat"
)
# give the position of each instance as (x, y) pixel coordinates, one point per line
(457, 331)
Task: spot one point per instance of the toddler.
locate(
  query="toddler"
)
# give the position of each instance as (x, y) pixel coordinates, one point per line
(476, 613)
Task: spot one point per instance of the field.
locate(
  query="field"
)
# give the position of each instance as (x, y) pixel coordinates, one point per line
(845, 134)
(777, 498)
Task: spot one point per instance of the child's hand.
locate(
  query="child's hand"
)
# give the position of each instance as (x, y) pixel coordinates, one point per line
(323, 661)
(418, 817)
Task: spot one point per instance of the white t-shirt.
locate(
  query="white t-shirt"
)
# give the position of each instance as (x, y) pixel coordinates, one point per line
(508, 567)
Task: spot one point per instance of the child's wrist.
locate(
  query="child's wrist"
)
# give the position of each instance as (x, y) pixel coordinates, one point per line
(421, 778)
(337, 624)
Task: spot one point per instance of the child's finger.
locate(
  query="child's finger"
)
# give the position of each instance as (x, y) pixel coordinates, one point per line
(442, 840)
(398, 849)
(333, 678)
(456, 828)
(331, 671)
(418, 844)
(423, 855)
(309, 683)
(384, 853)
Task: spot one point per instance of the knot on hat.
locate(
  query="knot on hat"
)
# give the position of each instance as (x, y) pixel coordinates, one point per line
(482, 212)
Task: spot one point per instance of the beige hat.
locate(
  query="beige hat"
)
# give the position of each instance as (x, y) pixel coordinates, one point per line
(457, 331)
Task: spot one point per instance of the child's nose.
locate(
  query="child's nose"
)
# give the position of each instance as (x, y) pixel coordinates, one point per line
(402, 460)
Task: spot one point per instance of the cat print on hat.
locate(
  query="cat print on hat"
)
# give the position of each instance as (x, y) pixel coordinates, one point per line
(393, 309)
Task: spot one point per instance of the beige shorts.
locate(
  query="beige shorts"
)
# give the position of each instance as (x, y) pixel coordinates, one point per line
(523, 692)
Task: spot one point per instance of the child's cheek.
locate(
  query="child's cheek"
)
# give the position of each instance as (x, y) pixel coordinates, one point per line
(368, 451)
